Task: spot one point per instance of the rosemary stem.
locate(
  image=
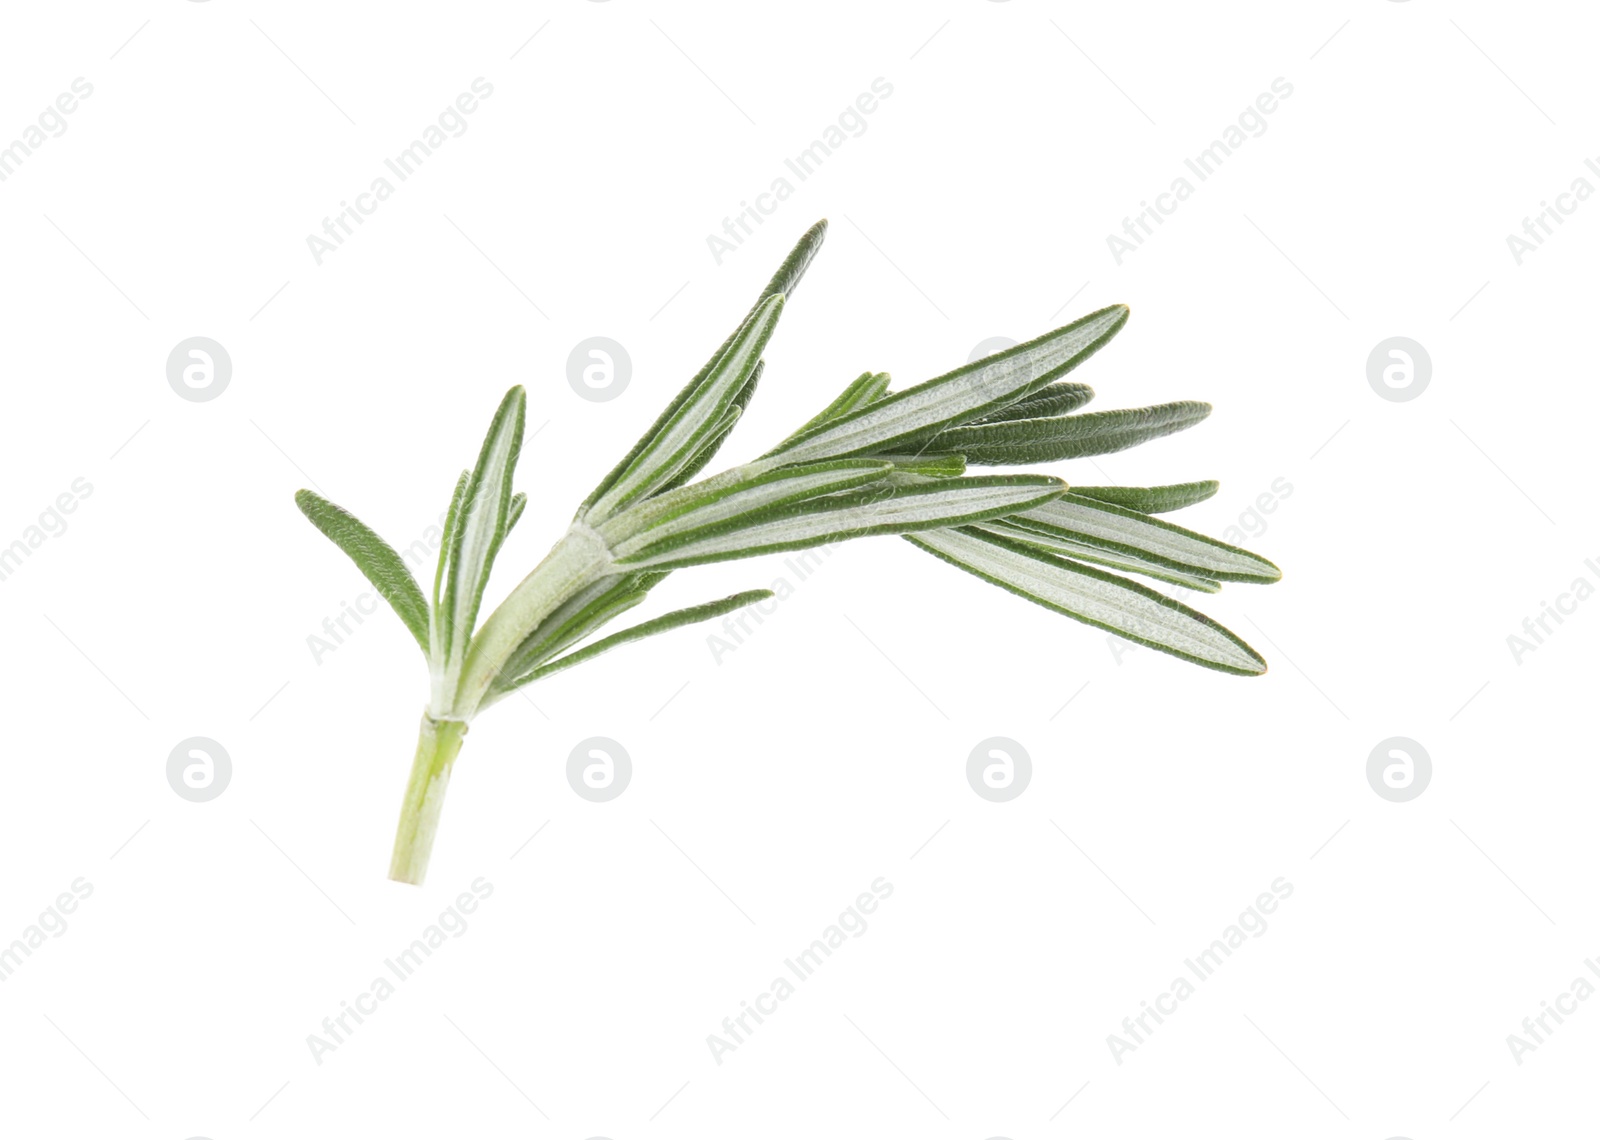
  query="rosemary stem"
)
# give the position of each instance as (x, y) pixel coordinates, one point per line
(438, 742)
(579, 560)
(575, 562)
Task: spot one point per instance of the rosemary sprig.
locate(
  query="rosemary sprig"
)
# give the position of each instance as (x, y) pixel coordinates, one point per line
(871, 462)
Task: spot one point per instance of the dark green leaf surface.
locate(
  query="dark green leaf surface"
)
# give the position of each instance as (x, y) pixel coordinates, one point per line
(1152, 500)
(1051, 400)
(373, 557)
(1068, 437)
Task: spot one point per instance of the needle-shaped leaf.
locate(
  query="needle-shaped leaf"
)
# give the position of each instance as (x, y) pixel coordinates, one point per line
(662, 624)
(1051, 400)
(373, 557)
(794, 266)
(1122, 531)
(1068, 437)
(706, 450)
(854, 514)
(519, 501)
(480, 523)
(1095, 598)
(680, 438)
(783, 282)
(904, 420)
(723, 502)
(714, 441)
(1151, 500)
(442, 636)
(1100, 556)
(868, 388)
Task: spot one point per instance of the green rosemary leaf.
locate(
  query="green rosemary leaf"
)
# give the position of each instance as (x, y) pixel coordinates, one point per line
(1083, 552)
(907, 419)
(1052, 400)
(649, 525)
(518, 502)
(1069, 437)
(661, 624)
(373, 557)
(678, 440)
(795, 265)
(857, 514)
(705, 450)
(1122, 531)
(1095, 598)
(442, 635)
(480, 524)
(783, 282)
(1152, 500)
(715, 440)
(868, 388)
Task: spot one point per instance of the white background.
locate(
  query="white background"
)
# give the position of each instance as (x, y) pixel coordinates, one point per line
(771, 788)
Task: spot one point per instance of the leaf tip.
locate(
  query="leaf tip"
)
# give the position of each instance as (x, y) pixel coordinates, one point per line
(1250, 651)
